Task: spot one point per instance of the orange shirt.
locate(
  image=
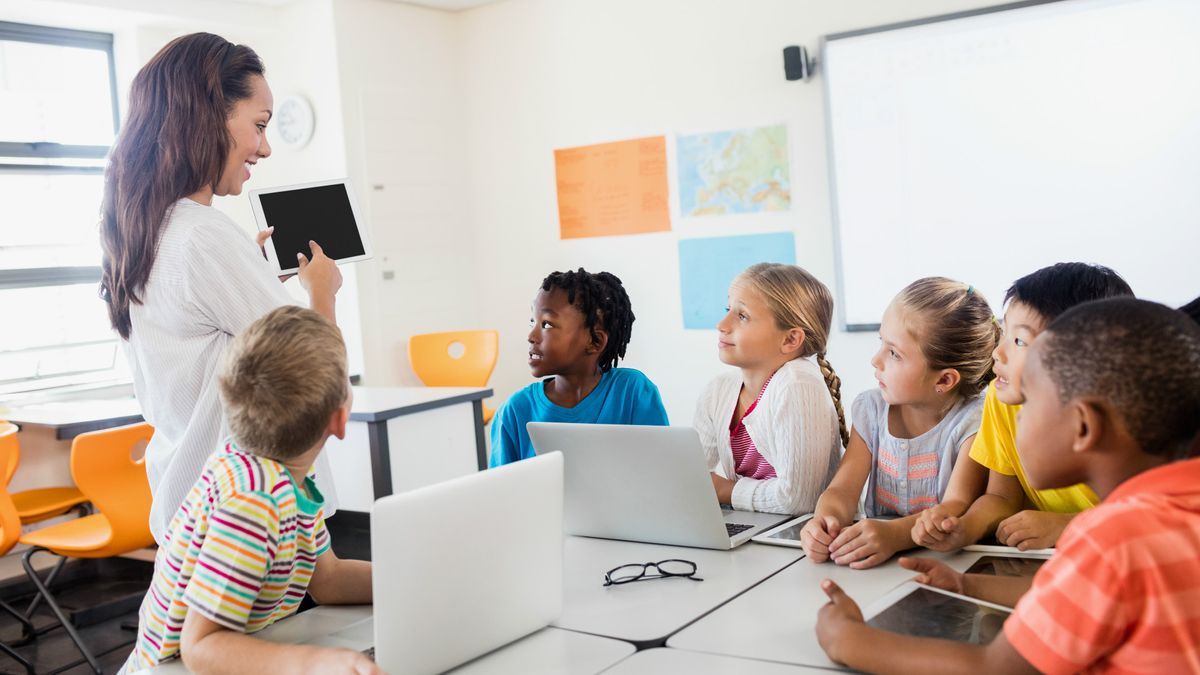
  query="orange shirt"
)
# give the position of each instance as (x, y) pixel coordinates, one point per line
(1122, 593)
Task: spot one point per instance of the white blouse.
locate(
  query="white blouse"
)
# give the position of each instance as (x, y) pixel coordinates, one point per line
(209, 281)
(794, 427)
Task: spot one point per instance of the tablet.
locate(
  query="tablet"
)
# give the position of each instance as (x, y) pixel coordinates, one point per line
(1044, 553)
(324, 212)
(787, 534)
(1007, 565)
(925, 611)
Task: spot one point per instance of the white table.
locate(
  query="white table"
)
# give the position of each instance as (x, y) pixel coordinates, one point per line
(647, 612)
(777, 619)
(550, 651)
(658, 661)
(415, 436)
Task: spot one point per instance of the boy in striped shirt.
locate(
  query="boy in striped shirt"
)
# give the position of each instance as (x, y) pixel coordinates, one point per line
(250, 539)
(1112, 400)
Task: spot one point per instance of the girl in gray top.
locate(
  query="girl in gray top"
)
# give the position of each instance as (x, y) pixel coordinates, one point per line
(934, 360)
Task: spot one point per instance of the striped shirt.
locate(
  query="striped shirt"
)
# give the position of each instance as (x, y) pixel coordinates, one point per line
(240, 550)
(209, 281)
(909, 475)
(747, 460)
(1122, 593)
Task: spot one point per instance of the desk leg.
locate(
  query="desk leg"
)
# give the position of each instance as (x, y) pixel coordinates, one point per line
(381, 458)
(480, 442)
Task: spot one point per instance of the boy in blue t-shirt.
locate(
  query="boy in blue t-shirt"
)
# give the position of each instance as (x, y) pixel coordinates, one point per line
(580, 327)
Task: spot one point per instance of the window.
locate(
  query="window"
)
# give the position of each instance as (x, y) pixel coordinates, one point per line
(57, 123)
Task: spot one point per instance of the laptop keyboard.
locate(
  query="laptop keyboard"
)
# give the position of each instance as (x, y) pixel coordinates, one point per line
(734, 528)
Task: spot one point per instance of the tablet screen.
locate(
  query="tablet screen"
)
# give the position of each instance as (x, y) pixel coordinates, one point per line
(926, 613)
(1006, 566)
(321, 213)
(790, 533)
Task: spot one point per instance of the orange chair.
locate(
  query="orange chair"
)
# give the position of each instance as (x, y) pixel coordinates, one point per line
(433, 360)
(41, 503)
(10, 525)
(116, 484)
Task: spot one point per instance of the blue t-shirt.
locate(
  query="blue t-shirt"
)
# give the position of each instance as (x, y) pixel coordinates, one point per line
(623, 396)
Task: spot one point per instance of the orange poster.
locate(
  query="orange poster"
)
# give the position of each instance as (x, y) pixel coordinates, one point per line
(613, 188)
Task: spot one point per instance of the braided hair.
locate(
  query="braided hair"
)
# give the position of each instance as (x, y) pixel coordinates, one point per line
(602, 300)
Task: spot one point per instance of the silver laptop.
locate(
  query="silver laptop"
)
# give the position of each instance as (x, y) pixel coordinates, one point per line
(463, 567)
(643, 483)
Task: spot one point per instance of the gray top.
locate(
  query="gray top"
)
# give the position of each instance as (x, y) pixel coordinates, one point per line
(910, 474)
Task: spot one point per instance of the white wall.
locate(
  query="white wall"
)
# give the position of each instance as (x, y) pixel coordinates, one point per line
(545, 74)
(403, 102)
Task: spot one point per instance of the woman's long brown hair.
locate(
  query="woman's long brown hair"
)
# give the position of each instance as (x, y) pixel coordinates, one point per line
(174, 142)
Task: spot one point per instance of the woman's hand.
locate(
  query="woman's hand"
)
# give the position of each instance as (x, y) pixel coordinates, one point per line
(261, 239)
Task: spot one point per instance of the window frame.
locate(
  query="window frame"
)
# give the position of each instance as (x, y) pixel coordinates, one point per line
(46, 158)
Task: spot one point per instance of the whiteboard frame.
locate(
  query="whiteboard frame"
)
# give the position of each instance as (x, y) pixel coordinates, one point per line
(830, 165)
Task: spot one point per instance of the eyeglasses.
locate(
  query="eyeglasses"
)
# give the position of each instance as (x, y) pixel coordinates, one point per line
(637, 571)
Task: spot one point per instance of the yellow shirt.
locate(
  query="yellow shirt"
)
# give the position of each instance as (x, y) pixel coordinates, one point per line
(995, 447)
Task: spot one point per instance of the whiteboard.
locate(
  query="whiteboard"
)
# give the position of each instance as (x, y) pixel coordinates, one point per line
(985, 145)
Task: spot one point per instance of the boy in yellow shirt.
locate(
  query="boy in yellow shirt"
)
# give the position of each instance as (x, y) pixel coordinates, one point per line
(989, 491)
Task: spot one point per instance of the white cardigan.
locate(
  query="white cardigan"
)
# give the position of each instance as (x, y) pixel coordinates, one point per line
(794, 427)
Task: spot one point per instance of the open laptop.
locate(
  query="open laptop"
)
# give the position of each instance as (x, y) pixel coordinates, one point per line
(463, 567)
(643, 483)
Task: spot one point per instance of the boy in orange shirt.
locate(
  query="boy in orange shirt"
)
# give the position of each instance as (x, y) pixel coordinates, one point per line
(1112, 394)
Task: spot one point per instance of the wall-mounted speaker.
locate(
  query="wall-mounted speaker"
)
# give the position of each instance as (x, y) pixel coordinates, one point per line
(796, 64)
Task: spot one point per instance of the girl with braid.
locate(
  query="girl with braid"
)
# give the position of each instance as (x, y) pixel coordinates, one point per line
(579, 329)
(933, 363)
(774, 427)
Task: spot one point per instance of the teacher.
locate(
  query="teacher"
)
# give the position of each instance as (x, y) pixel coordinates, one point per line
(180, 278)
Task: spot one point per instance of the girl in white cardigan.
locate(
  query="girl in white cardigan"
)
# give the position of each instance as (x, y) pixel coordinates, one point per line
(773, 429)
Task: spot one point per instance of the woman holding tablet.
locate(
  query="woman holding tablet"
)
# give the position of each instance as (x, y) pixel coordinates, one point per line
(181, 278)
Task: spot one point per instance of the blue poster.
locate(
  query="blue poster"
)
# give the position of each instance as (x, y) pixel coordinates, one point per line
(707, 266)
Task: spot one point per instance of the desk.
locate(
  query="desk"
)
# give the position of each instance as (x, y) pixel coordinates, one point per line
(647, 612)
(431, 444)
(549, 651)
(68, 419)
(776, 620)
(414, 436)
(656, 661)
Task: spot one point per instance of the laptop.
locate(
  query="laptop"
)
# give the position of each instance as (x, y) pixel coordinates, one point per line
(463, 567)
(643, 483)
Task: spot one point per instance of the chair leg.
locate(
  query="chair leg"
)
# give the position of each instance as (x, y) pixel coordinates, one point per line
(18, 658)
(85, 510)
(27, 630)
(37, 597)
(58, 612)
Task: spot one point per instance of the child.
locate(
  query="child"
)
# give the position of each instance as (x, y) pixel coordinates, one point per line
(1112, 399)
(580, 327)
(775, 426)
(934, 359)
(969, 511)
(250, 538)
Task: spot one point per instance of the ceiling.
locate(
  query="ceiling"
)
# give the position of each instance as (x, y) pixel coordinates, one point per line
(445, 5)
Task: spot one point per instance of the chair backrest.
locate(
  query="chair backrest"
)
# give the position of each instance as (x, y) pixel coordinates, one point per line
(433, 361)
(105, 472)
(10, 455)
